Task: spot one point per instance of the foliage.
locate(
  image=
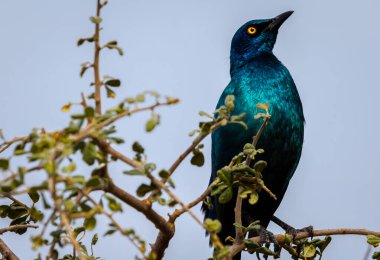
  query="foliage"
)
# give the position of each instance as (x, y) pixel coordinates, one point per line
(68, 203)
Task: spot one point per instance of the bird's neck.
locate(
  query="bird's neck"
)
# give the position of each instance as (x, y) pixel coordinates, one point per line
(237, 61)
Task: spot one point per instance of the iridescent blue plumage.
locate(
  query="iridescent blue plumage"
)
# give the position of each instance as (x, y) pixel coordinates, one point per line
(257, 76)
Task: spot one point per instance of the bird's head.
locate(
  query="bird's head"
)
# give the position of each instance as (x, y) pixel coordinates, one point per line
(254, 38)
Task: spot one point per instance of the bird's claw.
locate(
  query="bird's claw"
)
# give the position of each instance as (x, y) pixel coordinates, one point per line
(267, 238)
(293, 232)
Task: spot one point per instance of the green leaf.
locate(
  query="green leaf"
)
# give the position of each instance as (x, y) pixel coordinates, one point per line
(373, 240)
(15, 212)
(109, 232)
(150, 125)
(213, 225)
(89, 112)
(80, 41)
(89, 223)
(323, 244)
(89, 153)
(164, 174)
(4, 164)
(135, 172)
(113, 205)
(69, 205)
(226, 195)
(34, 196)
(96, 19)
(36, 215)
(94, 181)
(254, 197)
(144, 189)
(110, 93)
(137, 147)
(260, 165)
(94, 239)
(113, 83)
(77, 231)
(376, 255)
(309, 250)
(198, 158)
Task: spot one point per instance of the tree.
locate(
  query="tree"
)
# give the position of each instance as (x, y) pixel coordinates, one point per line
(68, 196)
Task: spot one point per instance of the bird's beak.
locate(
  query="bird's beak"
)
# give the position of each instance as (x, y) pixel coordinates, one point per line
(279, 20)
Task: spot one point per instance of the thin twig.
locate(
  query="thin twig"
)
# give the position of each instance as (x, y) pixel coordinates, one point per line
(7, 144)
(162, 186)
(9, 196)
(195, 202)
(17, 227)
(97, 81)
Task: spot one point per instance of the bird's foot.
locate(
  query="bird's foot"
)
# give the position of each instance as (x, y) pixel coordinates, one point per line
(291, 230)
(267, 238)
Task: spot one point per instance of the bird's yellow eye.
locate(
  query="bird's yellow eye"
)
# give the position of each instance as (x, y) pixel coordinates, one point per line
(251, 30)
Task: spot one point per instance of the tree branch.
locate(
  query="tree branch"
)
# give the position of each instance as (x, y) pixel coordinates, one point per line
(140, 206)
(6, 252)
(236, 248)
(16, 227)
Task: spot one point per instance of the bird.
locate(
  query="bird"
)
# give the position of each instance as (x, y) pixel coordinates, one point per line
(257, 76)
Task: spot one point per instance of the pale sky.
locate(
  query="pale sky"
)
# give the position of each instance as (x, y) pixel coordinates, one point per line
(181, 49)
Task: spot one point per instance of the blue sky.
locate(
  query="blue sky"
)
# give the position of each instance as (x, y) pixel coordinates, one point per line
(181, 49)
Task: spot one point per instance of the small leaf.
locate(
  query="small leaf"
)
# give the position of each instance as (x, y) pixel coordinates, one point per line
(89, 223)
(94, 239)
(110, 93)
(150, 125)
(94, 182)
(309, 250)
(144, 189)
(164, 174)
(113, 205)
(36, 215)
(137, 147)
(89, 112)
(96, 19)
(34, 196)
(80, 41)
(109, 232)
(260, 165)
(4, 164)
(77, 231)
(113, 83)
(89, 153)
(213, 225)
(66, 107)
(135, 172)
(376, 255)
(373, 240)
(254, 197)
(226, 196)
(198, 159)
